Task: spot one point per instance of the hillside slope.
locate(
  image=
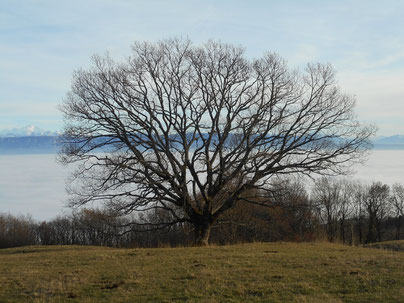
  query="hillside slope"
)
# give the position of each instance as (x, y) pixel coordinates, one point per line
(389, 245)
(278, 272)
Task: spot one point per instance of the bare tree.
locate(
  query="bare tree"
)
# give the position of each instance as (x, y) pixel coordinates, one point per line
(189, 129)
(346, 208)
(377, 207)
(359, 196)
(397, 205)
(16, 231)
(291, 197)
(326, 195)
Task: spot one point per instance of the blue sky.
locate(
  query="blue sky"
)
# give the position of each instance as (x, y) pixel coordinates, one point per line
(43, 42)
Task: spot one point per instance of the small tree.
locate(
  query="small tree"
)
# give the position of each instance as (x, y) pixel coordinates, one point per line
(346, 208)
(297, 213)
(189, 129)
(327, 196)
(359, 197)
(16, 231)
(397, 205)
(377, 207)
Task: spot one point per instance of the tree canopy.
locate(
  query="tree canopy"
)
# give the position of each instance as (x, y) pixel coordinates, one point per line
(193, 130)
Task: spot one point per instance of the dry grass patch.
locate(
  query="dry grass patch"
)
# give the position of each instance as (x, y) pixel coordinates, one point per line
(389, 245)
(273, 272)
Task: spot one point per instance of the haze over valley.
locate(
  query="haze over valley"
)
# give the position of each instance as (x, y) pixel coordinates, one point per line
(32, 182)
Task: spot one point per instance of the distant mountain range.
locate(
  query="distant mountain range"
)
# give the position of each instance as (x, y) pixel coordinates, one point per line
(33, 140)
(29, 145)
(391, 142)
(28, 140)
(396, 139)
(28, 131)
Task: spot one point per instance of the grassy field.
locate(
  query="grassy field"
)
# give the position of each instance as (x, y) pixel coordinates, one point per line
(274, 272)
(389, 245)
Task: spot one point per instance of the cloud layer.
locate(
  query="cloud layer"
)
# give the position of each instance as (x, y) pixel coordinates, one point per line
(43, 42)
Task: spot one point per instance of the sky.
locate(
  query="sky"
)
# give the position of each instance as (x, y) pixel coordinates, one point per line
(43, 42)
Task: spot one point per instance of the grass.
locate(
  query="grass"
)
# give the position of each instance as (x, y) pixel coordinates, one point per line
(389, 245)
(273, 272)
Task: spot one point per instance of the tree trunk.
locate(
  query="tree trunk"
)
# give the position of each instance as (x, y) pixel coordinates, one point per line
(398, 227)
(351, 239)
(379, 231)
(360, 231)
(371, 237)
(342, 230)
(202, 233)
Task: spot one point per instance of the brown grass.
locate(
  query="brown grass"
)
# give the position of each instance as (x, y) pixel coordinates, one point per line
(273, 272)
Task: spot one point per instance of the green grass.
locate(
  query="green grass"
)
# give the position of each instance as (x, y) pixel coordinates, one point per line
(274, 272)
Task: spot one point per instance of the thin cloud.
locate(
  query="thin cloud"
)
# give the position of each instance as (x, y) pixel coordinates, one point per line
(43, 42)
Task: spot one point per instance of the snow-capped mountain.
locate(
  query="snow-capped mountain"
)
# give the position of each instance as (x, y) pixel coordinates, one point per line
(32, 139)
(28, 131)
(28, 140)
